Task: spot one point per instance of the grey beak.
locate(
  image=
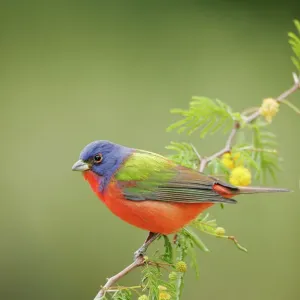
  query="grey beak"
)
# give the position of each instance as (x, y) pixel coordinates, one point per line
(80, 166)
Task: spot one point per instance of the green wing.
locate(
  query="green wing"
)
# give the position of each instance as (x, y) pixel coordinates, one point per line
(149, 176)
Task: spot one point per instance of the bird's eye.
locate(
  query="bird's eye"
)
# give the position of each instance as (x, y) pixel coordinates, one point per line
(98, 158)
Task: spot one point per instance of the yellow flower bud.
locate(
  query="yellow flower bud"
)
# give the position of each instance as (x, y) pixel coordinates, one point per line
(240, 176)
(181, 267)
(220, 231)
(143, 297)
(227, 155)
(164, 296)
(173, 276)
(162, 288)
(269, 109)
(227, 161)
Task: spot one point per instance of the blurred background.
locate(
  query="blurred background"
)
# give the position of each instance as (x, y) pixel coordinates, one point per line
(75, 71)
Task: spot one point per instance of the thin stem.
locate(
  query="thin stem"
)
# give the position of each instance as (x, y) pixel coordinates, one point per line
(252, 149)
(179, 286)
(292, 106)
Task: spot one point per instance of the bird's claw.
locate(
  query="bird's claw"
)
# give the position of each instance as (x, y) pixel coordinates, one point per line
(142, 250)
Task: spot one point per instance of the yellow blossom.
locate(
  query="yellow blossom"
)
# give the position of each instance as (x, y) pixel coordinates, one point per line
(164, 296)
(220, 231)
(143, 297)
(240, 176)
(231, 160)
(181, 267)
(269, 109)
(226, 155)
(227, 161)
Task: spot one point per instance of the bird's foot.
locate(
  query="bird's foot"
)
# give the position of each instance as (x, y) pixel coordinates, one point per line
(139, 252)
(142, 250)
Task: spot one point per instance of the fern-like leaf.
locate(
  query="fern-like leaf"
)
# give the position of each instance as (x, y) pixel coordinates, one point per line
(294, 41)
(205, 224)
(184, 155)
(245, 155)
(268, 161)
(152, 279)
(124, 294)
(217, 168)
(168, 254)
(205, 115)
(182, 249)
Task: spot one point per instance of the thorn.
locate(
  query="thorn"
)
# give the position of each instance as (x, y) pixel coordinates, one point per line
(296, 78)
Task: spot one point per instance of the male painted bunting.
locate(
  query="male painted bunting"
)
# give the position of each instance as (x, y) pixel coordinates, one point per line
(150, 191)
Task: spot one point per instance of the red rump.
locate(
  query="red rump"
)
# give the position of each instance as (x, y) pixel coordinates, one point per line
(223, 191)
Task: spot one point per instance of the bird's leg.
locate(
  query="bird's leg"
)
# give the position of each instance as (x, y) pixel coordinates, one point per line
(151, 238)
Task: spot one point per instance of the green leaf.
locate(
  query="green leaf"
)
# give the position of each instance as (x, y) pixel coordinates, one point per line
(217, 168)
(124, 294)
(204, 224)
(294, 41)
(196, 240)
(246, 158)
(168, 254)
(267, 160)
(181, 247)
(184, 155)
(152, 279)
(206, 115)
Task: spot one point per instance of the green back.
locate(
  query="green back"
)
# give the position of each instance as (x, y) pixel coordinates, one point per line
(143, 164)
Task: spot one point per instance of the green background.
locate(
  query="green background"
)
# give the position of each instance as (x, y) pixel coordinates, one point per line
(73, 72)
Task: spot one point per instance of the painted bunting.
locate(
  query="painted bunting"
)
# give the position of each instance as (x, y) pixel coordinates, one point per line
(150, 191)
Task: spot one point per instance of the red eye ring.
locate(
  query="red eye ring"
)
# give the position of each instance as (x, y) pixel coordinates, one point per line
(98, 158)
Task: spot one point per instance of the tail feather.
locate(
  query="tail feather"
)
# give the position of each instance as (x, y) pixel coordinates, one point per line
(255, 190)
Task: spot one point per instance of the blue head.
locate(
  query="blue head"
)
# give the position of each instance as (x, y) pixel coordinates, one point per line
(103, 158)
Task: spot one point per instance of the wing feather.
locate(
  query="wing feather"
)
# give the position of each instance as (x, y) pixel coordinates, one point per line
(152, 177)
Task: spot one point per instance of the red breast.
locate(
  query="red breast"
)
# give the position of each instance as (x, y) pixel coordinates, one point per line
(154, 216)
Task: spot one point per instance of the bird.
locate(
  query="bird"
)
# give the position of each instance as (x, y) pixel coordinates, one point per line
(150, 191)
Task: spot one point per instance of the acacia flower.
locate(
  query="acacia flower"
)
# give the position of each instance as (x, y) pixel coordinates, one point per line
(269, 109)
(240, 176)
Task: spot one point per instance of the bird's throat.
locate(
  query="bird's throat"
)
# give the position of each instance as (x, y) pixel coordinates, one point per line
(94, 180)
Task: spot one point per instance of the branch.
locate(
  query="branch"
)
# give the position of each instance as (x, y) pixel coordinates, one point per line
(247, 120)
(139, 261)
